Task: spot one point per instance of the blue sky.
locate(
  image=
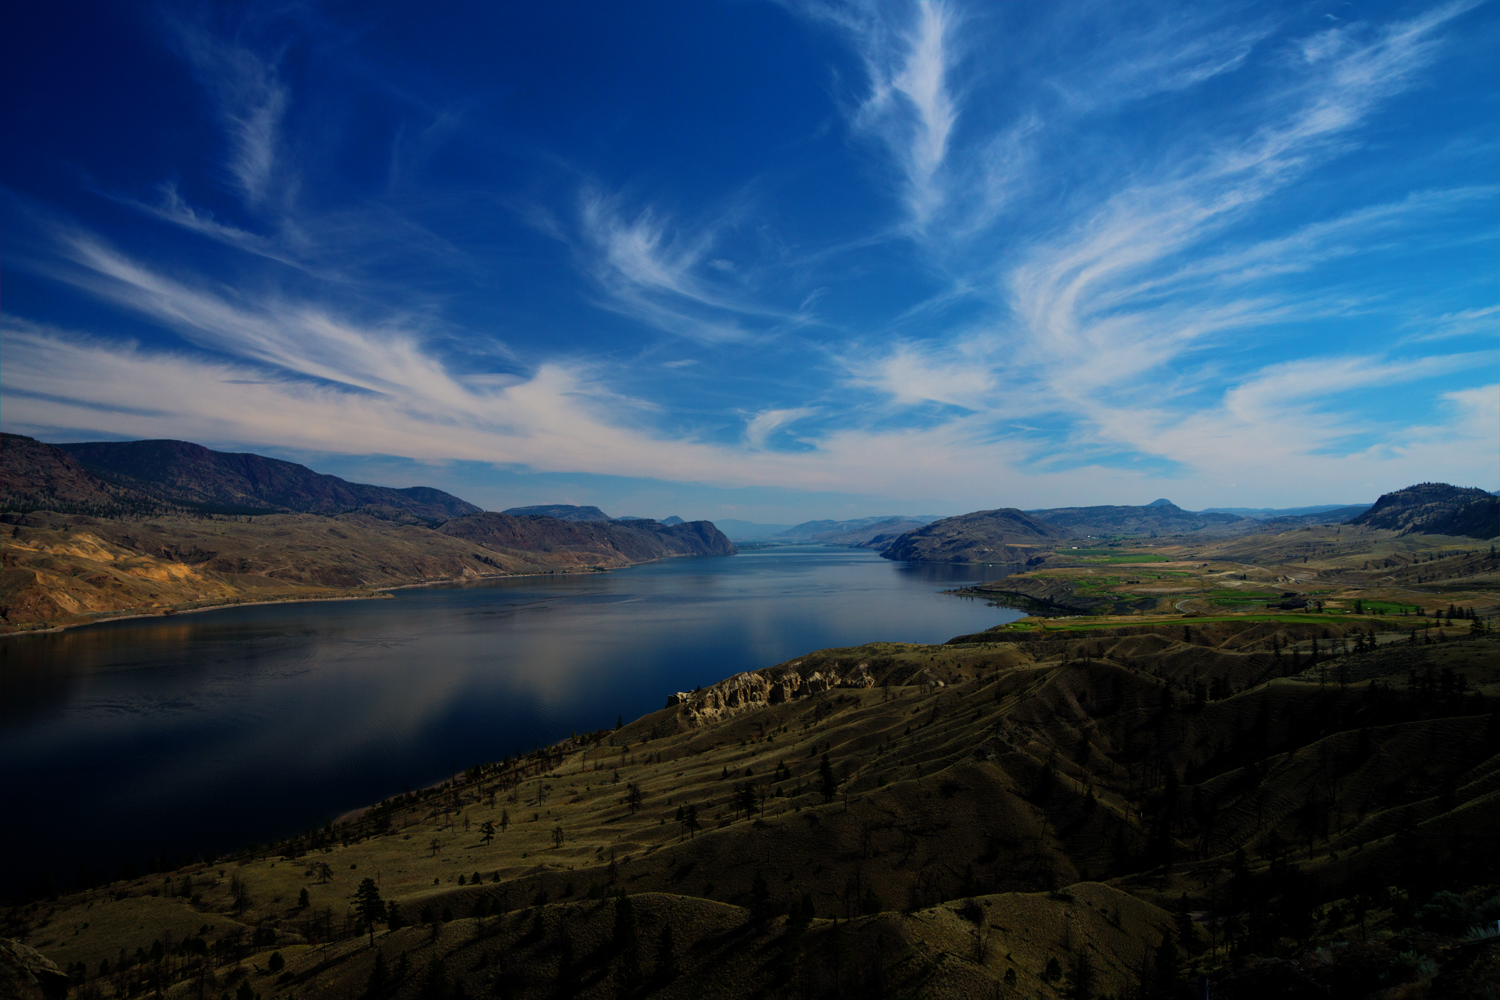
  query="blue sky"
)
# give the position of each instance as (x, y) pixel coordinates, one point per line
(766, 261)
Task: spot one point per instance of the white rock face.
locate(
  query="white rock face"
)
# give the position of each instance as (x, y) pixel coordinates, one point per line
(757, 689)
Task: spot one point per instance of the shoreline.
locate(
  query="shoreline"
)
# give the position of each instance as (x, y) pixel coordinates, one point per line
(174, 612)
(377, 593)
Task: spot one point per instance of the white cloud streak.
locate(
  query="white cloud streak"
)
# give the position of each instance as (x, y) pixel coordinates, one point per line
(252, 99)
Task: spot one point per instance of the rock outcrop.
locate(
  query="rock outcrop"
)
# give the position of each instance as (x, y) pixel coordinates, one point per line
(759, 688)
(27, 974)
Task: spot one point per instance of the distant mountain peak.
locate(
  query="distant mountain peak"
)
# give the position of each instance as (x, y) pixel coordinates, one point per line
(1163, 502)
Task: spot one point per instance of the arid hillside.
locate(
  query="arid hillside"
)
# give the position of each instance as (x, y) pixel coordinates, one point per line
(94, 531)
(70, 569)
(1050, 810)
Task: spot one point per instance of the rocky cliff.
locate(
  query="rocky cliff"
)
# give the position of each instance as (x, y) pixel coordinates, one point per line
(759, 688)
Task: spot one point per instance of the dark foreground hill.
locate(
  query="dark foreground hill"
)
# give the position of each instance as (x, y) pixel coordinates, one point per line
(1436, 509)
(1006, 535)
(1295, 807)
(180, 474)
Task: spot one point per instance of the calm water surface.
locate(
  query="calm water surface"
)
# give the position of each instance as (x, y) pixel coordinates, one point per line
(207, 732)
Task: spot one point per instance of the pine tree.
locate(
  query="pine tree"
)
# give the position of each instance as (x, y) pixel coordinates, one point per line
(369, 905)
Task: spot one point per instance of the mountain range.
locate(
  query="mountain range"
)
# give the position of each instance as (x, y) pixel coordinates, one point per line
(1008, 535)
(118, 477)
(1161, 516)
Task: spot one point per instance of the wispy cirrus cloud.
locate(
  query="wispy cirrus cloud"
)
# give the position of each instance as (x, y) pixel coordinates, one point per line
(1104, 246)
(1101, 321)
(910, 108)
(666, 274)
(252, 102)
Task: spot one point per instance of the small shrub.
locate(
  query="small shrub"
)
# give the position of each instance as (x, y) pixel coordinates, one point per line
(1445, 913)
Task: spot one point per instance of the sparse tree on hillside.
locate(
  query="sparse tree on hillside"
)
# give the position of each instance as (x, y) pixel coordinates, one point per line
(239, 893)
(487, 831)
(829, 781)
(369, 906)
(666, 956)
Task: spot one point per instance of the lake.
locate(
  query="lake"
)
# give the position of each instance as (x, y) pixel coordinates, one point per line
(206, 732)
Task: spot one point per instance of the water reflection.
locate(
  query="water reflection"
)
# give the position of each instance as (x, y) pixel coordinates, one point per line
(204, 732)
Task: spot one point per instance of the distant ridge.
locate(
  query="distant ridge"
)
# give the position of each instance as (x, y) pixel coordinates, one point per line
(860, 532)
(561, 511)
(1331, 509)
(1158, 517)
(192, 477)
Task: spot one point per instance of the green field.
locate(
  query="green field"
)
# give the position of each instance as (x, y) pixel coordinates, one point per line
(1294, 619)
(1111, 556)
(1225, 597)
(1388, 608)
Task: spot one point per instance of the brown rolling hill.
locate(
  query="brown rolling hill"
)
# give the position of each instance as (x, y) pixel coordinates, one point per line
(1006, 535)
(1274, 804)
